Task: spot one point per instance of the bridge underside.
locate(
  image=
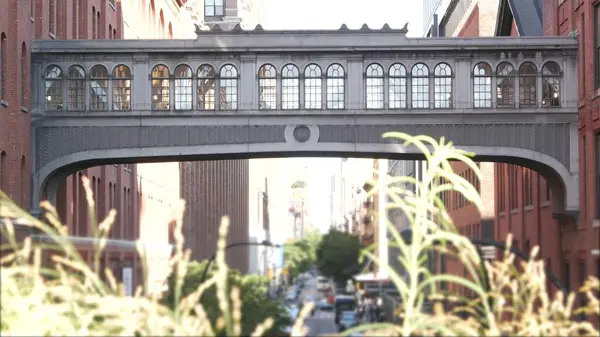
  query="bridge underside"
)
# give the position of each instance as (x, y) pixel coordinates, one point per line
(63, 145)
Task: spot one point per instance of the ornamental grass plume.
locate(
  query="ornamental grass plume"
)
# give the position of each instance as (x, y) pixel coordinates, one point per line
(506, 298)
(66, 296)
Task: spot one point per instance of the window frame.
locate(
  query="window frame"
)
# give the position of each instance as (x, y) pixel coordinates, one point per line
(267, 81)
(183, 82)
(214, 7)
(76, 84)
(313, 80)
(443, 78)
(290, 87)
(482, 74)
(223, 79)
(374, 87)
(332, 80)
(208, 73)
(106, 87)
(420, 81)
(121, 87)
(397, 78)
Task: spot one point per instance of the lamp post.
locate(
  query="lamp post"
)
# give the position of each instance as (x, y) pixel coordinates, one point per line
(407, 237)
(213, 257)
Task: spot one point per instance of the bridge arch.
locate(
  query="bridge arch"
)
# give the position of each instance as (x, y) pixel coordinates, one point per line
(563, 184)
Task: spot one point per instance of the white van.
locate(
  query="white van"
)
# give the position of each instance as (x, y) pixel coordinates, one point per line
(322, 283)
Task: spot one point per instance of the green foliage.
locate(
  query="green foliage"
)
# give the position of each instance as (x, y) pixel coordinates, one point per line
(338, 256)
(299, 184)
(256, 304)
(300, 255)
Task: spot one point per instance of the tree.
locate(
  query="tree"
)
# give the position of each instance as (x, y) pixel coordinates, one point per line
(256, 304)
(301, 254)
(299, 184)
(337, 256)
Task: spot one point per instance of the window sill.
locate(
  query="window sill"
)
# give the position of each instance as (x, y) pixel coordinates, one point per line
(111, 5)
(514, 211)
(596, 223)
(528, 208)
(31, 19)
(52, 35)
(503, 213)
(596, 94)
(24, 109)
(546, 203)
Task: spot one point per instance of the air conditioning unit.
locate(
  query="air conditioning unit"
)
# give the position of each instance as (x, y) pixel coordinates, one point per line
(595, 223)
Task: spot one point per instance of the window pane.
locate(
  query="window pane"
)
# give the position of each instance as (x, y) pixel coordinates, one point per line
(219, 11)
(209, 11)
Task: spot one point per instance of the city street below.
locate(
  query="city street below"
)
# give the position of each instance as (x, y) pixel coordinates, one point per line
(323, 321)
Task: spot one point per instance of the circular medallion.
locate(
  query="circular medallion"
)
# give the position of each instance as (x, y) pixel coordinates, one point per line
(302, 133)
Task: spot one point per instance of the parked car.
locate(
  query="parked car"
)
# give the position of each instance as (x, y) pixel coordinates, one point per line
(322, 283)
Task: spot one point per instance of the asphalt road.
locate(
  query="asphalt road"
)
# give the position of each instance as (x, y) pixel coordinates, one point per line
(323, 321)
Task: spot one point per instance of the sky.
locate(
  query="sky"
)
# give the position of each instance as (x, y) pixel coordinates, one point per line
(331, 14)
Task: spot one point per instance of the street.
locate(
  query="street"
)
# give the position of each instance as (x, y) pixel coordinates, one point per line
(323, 321)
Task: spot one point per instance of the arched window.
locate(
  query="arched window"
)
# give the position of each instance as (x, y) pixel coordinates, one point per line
(397, 86)
(76, 88)
(267, 87)
(161, 24)
(99, 32)
(527, 85)
(121, 88)
(228, 87)
(94, 26)
(115, 34)
(52, 16)
(442, 86)
(183, 87)
(160, 88)
(290, 87)
(3, 61)
(53, 85)
(24, 183)
(313, 87)
(3, 172)
(551, 85)
(98, 88)
(482, 85)
(420, 86)
(505, 77)
(206, 87)
(335, 86)
(374, 86)
(170, 31)
(110, 36)
(23, 69)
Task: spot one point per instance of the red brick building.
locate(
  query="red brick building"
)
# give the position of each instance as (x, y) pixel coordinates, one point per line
(516, 199)
(581, 241)
(123, 187)
(521, 202)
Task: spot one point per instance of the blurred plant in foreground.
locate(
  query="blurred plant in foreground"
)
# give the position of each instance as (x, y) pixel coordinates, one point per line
(68, 297)
(506, 300)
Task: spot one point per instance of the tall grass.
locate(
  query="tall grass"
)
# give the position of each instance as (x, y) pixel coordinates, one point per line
(69, 297)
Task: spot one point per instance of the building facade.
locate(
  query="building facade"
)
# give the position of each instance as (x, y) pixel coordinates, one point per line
(581, 239)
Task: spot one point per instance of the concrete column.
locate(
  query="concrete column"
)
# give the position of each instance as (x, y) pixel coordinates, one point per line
(355, 94)
(248, 83)
(140, 96)
(462, 84)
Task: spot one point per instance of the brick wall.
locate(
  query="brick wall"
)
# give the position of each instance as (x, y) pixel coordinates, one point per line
(578, 240)
(213, 189)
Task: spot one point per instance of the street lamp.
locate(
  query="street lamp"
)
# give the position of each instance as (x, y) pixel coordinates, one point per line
(214, 256)
(407, 237)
